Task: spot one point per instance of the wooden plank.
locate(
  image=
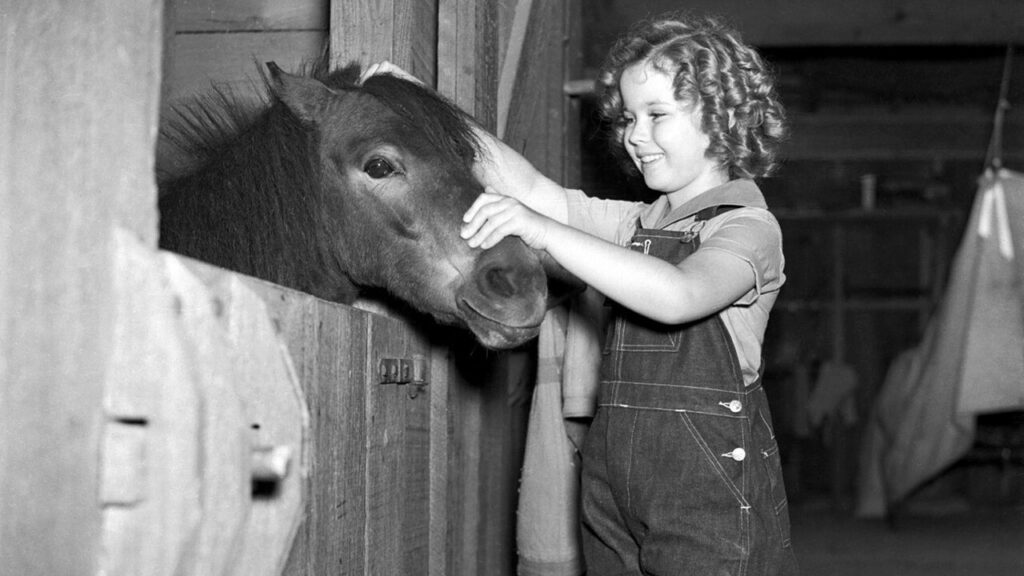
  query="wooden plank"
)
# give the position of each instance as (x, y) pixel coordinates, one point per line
(813, 23)
(75, 159)
(364, 31)
(339, 481)
(385, 453)
(535, 125)
(219, 449)
(274, 404)
(151, 495)
(440, 459)
(244, 15)
(276, 426)
(572, 172)
(898, 136)
(467, 58)
(328, 348)
(401, 31)
(417, 478)
(510, 61)
(201, 60)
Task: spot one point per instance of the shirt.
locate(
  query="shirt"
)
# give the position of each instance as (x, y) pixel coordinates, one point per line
(750, 233)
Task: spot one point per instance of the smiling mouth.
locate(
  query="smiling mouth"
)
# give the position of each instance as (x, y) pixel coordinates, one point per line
(648, 159)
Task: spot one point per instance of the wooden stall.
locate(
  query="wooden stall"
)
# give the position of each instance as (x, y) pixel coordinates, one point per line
(162, 416)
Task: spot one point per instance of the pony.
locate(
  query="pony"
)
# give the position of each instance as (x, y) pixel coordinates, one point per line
(341, 189)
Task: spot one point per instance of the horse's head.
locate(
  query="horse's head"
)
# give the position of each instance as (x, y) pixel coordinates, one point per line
(395, 171)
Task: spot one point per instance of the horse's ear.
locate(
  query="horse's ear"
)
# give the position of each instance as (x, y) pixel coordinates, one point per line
(304, 96)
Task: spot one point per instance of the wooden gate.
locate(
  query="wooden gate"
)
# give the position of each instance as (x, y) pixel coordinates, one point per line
(162, 416)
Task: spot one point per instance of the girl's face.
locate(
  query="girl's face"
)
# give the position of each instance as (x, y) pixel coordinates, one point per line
(664, 138)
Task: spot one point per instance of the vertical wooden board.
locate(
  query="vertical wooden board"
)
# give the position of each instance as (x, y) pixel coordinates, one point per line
(486, 65)
(150, 493)
(338, 513)
(78, 104)
(385, 452)
(440, 457)
(499, 473)
(468, 508)
(422, 23)
(328, 347)
(223, 444)
(401, 31)
(536, 103)
(275, 405)
(364, 30)
(572, 174)
(417, 458)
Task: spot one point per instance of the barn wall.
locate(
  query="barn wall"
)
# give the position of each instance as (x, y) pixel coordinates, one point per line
(80, 80)
(140, 388)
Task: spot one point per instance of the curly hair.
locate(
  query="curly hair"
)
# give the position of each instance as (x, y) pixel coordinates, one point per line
(712, 67)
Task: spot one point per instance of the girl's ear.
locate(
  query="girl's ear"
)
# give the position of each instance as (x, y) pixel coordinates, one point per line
(305, 97)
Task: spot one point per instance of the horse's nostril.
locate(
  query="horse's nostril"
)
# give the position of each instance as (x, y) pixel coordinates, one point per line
(501, 281)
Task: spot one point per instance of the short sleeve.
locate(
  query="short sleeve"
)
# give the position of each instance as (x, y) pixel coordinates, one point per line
(612, 220)
(753, 235)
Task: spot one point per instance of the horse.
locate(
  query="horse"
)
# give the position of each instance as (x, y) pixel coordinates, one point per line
(338, 189)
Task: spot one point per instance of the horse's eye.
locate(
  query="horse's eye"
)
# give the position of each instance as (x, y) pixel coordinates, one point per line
(379, 168)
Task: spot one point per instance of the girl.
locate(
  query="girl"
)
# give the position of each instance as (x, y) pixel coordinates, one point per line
(681, 472)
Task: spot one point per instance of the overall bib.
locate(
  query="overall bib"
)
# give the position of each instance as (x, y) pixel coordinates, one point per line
(681, 471)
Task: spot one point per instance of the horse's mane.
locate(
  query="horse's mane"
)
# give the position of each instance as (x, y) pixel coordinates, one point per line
(199, 128)
(242, 188)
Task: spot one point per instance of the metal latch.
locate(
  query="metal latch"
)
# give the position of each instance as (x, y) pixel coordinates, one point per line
(412, 371)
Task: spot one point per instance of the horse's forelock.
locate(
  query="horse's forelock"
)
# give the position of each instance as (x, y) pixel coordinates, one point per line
(444, 125)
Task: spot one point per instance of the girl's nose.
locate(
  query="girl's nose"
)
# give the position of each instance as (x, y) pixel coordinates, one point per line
(636, 133)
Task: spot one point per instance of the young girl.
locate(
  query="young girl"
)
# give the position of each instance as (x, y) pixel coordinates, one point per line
(681, 472)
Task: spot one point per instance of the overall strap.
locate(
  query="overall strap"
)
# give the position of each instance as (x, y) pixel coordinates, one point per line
(712, 211)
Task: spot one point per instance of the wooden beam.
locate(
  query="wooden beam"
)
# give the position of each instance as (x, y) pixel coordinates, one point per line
(401, 31)
(510, 63)
(898, 136)
(246, 15)
(78, 109)
(811, 22)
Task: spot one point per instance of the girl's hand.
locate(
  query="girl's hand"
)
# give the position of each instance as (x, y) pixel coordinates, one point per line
(494, 216)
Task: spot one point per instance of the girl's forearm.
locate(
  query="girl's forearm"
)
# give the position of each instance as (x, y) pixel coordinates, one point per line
(647, 285)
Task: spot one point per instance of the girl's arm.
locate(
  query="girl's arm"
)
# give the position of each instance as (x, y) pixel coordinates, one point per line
(501, 169)
(504, 171)
(703, 284)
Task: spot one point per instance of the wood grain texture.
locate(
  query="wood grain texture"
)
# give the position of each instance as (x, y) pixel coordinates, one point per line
(810, 23)
(245, 15)
(78, 103)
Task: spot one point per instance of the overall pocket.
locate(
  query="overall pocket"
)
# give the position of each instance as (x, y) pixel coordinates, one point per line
(635, 333)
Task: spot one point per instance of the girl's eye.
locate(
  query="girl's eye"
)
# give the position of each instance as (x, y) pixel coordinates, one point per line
(625, 121)
(378, 168)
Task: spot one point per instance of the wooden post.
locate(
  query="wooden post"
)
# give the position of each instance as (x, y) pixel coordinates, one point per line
(78, 105)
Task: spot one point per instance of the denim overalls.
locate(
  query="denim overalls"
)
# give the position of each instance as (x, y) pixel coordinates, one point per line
(681, 471)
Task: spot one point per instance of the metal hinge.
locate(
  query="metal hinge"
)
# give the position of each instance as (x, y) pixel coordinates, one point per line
(412, 371)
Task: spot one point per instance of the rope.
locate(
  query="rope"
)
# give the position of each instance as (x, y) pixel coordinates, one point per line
(994, 157)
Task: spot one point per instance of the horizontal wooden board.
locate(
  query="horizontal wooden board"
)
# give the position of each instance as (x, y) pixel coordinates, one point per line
(199, 60)
(246, 15)
(908, 136)
(810, 22)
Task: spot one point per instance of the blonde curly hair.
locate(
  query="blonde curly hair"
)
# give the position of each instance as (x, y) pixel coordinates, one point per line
(712, 67)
